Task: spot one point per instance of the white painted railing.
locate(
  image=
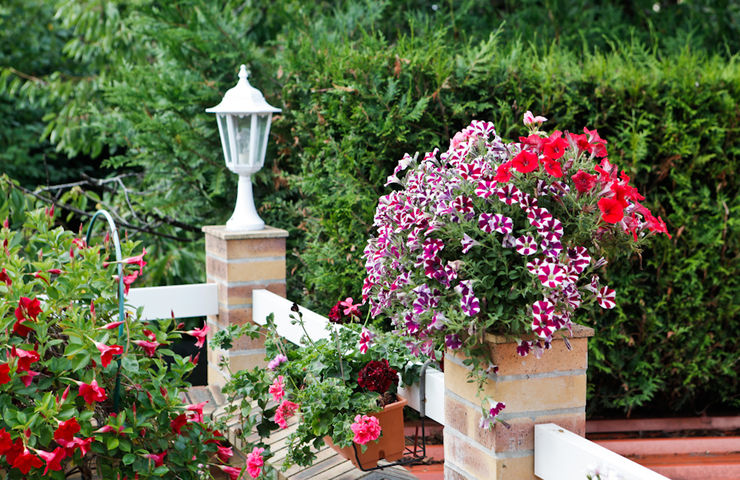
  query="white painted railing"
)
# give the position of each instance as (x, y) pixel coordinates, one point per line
(563, 455)
(264, 303)
(180, 301)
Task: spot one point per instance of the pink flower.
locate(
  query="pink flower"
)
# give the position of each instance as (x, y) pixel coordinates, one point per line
(128, 280)
(284, 411)
(111, 325)
(366, 429)
(200, 334)
(149, 347)
(350, 309)
(232, 472)
(275, 362)
(107, 352)
(255, 462)
(136, 260)
(277, 389)
(224, 453)
(53, 459)
(197, 408)
(529, 119)
(158, 458)
(92, 392)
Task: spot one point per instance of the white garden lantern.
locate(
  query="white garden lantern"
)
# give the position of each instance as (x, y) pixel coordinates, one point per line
(244, 124)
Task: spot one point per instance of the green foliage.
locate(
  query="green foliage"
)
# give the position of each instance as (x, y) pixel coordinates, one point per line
(362, 83)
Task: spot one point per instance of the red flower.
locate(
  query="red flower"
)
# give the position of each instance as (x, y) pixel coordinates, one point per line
(178, 422)
(111, 325)
(5, 278)
(597, 144)
(107, 352)
(25, 358)
(583, 181)
(224, 453)
(552, 167)
(26, 461)
(137, 260)
(5, 442)
(4, 373)
(82, 444)
(53, 459)
(28, 377)
(555, 146)
(198, 409)
(66, 430)
(611, 210)
(581, 141)
(200, 334)
(533, 141)
(127, 281)
(27, 310)
(149, 347)
(233, 472)
(377, 376)
(525, 162)
(92, 392)
(335, 314)
(157, 458)
(503, 173)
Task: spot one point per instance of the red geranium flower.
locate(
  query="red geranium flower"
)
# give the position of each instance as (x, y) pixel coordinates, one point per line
(377, 376)
(525, 162)
(611, 210)
(92, 392)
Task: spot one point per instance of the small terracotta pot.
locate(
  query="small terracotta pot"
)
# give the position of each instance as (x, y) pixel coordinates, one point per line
(390, 445)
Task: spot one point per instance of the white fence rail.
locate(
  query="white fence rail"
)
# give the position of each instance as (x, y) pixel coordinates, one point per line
(182, 301)
(563, 455)
(265, 303)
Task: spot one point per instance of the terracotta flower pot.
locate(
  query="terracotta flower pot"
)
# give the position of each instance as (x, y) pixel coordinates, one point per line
(389, 446)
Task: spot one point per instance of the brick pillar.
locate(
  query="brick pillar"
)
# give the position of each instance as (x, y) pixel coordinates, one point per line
(240, 262)
(551, 389)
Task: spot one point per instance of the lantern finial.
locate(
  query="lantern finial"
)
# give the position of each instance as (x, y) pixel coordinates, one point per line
(243, 72)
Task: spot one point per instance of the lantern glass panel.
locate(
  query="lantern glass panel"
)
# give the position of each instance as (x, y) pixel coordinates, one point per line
(263, 126)
(244, 141)
(223, 128)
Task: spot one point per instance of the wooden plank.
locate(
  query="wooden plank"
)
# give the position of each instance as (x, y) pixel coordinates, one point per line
(184, 301)
(562, 455)
(663, 424)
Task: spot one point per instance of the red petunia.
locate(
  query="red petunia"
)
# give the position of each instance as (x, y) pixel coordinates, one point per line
(503, 173)
(92, 392)
(583, 181)
(525, 162)
(554, 147)
(107, 352)
(552, 167)
(611, 210)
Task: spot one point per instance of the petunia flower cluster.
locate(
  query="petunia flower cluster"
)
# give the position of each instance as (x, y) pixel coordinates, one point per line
(501, 237)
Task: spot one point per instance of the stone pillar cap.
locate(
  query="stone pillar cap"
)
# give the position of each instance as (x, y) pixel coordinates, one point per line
(219, 231)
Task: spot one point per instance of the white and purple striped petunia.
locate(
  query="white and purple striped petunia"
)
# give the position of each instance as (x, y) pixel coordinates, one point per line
(538, 215)
(606, 298)
(551, 275)
(502, 224)
(467, 243)
(470, 305)
(485, 188)
(534, 266)
(543, 328)
(508, 194)
(485, 222)
(525, 245)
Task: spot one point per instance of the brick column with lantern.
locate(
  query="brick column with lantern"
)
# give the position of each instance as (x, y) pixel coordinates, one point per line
(240, 262)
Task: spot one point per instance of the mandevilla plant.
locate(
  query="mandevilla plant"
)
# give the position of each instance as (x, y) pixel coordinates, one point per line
(74, 398)
(501, 237)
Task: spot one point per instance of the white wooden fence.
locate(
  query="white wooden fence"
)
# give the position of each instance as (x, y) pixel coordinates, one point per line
(559, 453)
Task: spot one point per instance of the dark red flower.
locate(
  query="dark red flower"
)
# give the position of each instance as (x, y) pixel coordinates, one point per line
(525, 162)
(157, 458)
(25, 358)
(5, 442)
(377, 376)
(28, 377)
(335, 314)
(583, 181)
(5, 278)
(4, 373)
(28, 310)
(611, 210)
